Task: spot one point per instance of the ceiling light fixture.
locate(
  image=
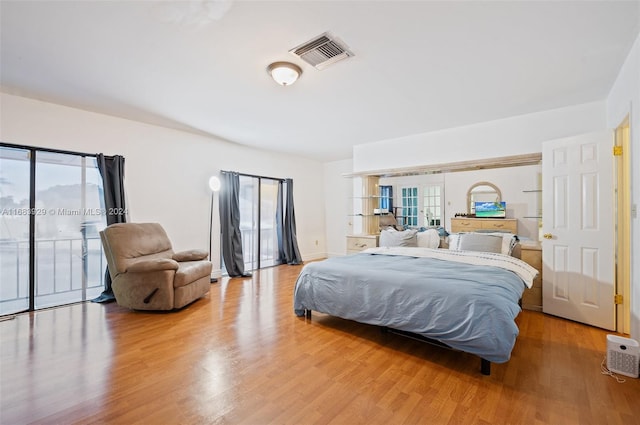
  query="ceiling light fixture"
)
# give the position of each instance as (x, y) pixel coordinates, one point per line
(284, 73)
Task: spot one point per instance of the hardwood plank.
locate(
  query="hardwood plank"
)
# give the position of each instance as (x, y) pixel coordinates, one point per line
(240, 355)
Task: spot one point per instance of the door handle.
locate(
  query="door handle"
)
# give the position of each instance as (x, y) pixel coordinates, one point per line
(547, 236)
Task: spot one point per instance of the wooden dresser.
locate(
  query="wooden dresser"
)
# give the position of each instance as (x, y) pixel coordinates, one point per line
(357, 243)
(531, 253)
(475, 224)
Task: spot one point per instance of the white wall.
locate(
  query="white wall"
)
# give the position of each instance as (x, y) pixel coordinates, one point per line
(512, 182)
(167, 171)
(623, 99)
(337, 187)
(511, 136)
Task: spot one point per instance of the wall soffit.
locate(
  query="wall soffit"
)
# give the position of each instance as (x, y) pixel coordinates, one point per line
(480, 164)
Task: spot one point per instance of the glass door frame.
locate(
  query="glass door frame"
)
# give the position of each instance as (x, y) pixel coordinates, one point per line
(258, 230)
(32, 216)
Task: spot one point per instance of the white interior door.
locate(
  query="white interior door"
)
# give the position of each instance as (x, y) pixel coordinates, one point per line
(578, 244)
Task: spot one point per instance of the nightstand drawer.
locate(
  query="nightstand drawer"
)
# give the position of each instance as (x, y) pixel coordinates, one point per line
(360, 243)
(532, 257)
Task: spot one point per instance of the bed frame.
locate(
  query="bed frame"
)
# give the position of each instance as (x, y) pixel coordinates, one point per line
(485, 365)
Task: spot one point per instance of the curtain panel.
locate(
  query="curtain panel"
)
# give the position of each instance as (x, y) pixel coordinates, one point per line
(112, 172)
(289, 244)
(230, 236)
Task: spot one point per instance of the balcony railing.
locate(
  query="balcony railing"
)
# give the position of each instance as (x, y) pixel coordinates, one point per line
(268, 250)
(66, 270)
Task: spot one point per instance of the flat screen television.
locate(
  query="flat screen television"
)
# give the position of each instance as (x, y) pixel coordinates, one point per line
(491, 209)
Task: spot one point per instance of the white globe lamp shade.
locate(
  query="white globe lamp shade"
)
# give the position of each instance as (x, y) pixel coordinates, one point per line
(284, 73)
(214, 183)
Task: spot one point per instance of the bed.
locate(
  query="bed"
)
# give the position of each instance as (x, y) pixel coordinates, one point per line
(464, 300)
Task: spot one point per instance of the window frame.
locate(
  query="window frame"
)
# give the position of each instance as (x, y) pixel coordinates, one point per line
(438, 220)
(410, 205)
(32, 275)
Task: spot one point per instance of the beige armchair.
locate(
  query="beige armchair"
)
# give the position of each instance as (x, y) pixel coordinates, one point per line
(146, 274)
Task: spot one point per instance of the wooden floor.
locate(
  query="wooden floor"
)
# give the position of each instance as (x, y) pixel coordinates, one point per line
(240, 355)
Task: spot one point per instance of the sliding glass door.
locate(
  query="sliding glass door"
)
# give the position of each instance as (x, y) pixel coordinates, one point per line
(14, 229)
(68, 251)
(269, 253)
(258, 221)
(52, 211)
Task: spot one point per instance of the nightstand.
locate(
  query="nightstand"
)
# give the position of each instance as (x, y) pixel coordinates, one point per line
(531, 253)
(357, 243)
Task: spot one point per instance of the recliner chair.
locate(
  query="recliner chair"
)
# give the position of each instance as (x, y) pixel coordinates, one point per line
(146, 274)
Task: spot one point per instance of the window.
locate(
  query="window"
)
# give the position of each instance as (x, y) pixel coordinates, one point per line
(52, 210)
(432, 205)
(409, 206)
(386, 198)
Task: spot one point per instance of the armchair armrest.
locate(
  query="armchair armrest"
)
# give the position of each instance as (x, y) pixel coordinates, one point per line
(157, 264)
(190, 255)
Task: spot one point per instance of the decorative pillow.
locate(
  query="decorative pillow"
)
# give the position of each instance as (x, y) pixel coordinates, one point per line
(487, 242)
(509, 241)
(430, 238)
(475, 242)
(398, 238)
(443, 232)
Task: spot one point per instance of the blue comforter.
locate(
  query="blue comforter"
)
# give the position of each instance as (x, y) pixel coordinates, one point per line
(469, 307)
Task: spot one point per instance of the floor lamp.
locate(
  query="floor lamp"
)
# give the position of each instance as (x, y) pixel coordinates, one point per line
(214, 185)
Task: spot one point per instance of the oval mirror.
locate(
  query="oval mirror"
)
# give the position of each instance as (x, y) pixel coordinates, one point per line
(482, 192)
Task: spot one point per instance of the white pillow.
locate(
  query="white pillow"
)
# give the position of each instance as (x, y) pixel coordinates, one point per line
(398, 238)
(509, 242)
(430, 238)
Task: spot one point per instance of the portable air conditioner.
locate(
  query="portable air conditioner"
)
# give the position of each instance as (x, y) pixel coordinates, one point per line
(623, 355)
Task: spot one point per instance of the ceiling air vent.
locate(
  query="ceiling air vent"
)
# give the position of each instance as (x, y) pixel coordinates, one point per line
(322, 51)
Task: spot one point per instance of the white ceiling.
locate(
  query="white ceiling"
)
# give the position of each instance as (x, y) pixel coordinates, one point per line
(419, 66)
